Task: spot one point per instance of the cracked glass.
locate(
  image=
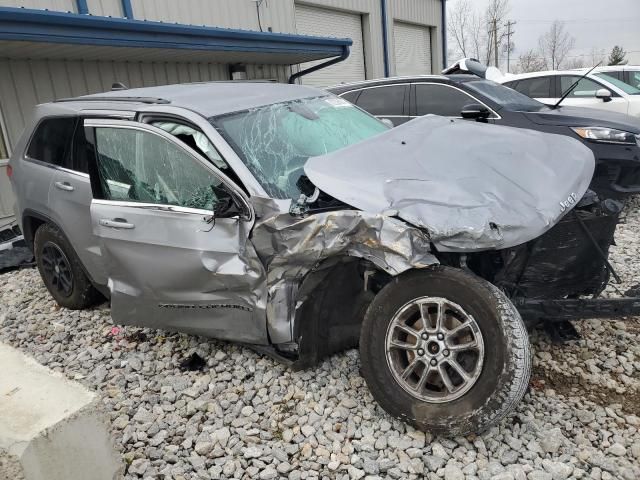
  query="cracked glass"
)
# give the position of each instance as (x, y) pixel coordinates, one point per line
(276, 140)
(139, 166)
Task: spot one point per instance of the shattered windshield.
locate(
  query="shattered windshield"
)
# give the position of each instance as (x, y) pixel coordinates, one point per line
(275, 141)
(505, 96)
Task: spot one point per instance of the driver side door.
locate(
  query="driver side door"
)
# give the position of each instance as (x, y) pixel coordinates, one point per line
(171, 263)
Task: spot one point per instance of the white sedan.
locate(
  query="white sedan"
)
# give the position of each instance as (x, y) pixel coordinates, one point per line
(594, 91)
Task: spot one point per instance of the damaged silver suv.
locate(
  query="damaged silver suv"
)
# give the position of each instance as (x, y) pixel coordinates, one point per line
(288, 219)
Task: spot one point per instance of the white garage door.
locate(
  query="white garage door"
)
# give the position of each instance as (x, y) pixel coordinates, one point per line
(413, 49)
(329, 23)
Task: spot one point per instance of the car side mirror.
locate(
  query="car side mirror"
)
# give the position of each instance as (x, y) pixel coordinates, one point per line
(227, 204)
(475, 111)
(603, 94)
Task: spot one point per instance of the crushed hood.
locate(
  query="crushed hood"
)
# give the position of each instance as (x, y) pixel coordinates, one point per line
(472, 186)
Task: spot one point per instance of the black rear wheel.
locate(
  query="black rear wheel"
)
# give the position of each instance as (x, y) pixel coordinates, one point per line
(61, 271)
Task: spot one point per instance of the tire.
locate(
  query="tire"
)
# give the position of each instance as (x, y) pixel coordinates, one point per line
(501, 374)
(75, 292)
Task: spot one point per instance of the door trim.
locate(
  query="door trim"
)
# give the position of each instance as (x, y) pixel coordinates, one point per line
(131, 125)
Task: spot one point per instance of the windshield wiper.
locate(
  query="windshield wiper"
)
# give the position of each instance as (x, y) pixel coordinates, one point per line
(574, 86)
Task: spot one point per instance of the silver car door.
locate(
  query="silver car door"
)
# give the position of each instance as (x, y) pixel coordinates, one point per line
(170, 264)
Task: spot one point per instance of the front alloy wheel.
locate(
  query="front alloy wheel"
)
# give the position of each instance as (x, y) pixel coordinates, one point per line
(445, 351)
(435, 349)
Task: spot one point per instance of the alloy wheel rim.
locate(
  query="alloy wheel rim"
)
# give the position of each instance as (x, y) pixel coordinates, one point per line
(434, 349)
(57, 269)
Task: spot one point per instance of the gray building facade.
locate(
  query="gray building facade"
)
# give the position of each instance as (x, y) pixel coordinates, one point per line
(53, 49)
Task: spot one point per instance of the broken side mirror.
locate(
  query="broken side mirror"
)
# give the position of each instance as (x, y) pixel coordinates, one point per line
(227, 204)
(475, 111)
(603, 94)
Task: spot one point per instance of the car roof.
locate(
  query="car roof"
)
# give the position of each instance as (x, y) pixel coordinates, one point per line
(343, 87)
(206, 98)
(614, 68)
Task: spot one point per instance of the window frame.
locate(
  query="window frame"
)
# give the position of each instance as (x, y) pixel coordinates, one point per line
(405, 99)
(4, 138)
(90, 124)
(414, 104)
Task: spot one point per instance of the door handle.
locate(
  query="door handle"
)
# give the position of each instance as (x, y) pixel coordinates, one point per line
(66, 186)
(116, 223)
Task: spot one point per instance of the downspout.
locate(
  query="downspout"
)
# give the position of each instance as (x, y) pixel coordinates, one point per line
(444, 33)
(333, 61)
(385, 40)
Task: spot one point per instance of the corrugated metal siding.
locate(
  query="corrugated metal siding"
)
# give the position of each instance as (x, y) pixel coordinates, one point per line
(25, 83)
(105, 8)
(277, 14)
(57, 5)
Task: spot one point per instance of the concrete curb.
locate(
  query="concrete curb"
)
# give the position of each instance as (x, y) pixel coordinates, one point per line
(50, 427)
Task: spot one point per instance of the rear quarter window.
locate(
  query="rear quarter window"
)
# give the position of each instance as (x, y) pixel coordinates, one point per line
(51, 141)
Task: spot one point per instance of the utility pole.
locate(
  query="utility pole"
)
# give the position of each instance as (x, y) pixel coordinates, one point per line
(510, 32)
(495, 41)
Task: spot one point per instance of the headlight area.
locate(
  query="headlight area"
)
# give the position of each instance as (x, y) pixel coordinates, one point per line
(607, 135)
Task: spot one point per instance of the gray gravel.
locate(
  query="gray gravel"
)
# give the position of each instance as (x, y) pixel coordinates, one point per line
(246, 416)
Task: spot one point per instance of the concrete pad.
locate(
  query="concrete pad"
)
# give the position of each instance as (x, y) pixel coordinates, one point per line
(50, 428)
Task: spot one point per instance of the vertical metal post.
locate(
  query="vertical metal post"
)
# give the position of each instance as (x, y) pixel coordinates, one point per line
(127, 9)
(444, 34)
(495, 42)
(83, 8)
(510, 32)
(385, 44)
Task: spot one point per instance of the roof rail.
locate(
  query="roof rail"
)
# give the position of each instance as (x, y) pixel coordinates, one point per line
(150, 100)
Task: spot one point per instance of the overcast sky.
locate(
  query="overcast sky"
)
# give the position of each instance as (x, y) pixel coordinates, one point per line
(593, 23)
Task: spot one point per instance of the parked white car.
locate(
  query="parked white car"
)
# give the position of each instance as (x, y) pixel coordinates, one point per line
(595, 90)
(629, 74)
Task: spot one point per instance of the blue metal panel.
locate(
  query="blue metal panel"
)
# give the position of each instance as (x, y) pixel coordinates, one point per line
(83, 8)
(58, 27)
(127, 9)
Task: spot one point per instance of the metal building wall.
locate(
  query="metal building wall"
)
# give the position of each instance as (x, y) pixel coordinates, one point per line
(57, 5)
(277, 14)
(419, 12)
(106, 8)
(25, 83)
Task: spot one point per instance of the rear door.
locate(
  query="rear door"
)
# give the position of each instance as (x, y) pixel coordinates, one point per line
(386, 101)
(170, 264)
(541, 88)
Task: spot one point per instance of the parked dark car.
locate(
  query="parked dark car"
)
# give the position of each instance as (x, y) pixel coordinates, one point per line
(614, 138)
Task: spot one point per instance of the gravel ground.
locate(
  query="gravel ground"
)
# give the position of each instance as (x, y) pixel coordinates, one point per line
(245, 416)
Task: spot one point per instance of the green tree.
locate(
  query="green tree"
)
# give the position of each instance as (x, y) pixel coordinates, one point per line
(616, 57)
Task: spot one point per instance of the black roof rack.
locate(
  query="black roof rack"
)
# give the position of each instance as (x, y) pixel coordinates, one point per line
(150, 100)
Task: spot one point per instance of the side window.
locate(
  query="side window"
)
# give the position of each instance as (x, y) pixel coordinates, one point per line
(586, 88)
(139, 166)
(614, 74)
(440, 100)
(383, 100)
(51, 142)
(535, 87)
(351, 96)
(634, 79)
(4, 153)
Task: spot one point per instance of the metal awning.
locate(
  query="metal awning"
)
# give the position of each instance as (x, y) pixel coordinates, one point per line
(27, 33)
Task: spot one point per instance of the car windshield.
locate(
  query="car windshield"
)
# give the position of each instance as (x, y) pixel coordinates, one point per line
(506, 97)
(625, 87)
(276, 140)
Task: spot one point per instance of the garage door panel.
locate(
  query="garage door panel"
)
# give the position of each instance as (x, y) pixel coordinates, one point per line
(412, 49)
(330, 23)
